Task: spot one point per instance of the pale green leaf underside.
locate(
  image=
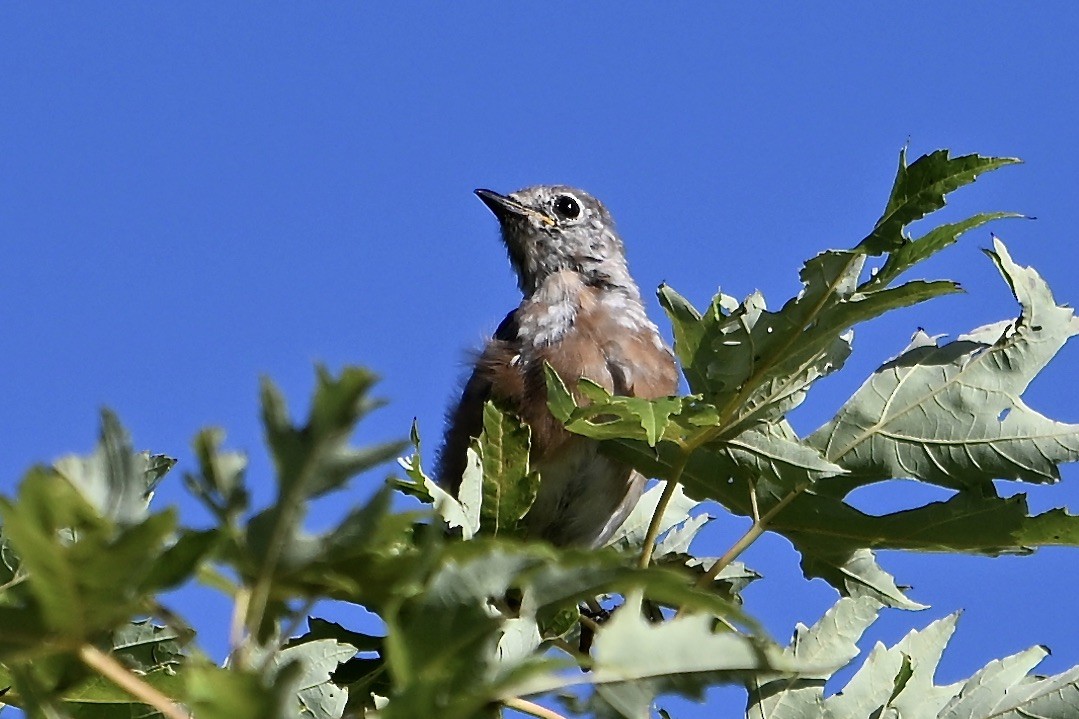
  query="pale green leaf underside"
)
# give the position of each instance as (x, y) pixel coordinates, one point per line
(952, 414)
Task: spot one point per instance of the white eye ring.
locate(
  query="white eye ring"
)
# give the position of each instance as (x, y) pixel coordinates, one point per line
(567, 207)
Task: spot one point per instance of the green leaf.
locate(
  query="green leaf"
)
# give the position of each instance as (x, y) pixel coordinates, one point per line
(769, 453)
(443, 645)
(951, 414)
(99, 698)
(315, 458)
(323, 629)
(144, 646)
(629, 648)
(830, 533)
(179, 562)
(690, 329)
(559, 399)
(455, 513)
(683, 655)
(685, 319)
(117, 481)
(11, 573)
(873, 685)
(318, 696)
(509, 485)
(310, 460)
(219, 484)
(602, 415)
(830, 644)
(729, 583)
(1004, 689)
(920, 189)
(755, 365)
(911, 252)
(770, 456)
(215, 693)
(372, 557)
(84, 571)
(152, 652)
(630, 536)
(856, 573)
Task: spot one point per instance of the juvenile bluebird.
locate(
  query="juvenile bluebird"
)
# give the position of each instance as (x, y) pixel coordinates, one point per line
(582, 313)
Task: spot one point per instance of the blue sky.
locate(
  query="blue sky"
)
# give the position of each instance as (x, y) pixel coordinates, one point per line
(193, 195)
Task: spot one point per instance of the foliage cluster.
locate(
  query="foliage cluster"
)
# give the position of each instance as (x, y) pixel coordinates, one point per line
(477, 618)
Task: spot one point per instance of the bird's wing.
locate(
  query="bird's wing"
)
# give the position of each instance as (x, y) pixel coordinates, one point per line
(465, 420)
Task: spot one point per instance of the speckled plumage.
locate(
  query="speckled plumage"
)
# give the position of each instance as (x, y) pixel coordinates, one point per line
(582, 313)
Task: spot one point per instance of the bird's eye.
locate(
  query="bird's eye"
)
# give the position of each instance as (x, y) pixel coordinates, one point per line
(567, 207)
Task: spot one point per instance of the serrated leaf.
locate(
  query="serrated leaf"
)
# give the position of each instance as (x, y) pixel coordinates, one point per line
(951, 414)
(857, 574)
(116, 480)
(559, 399)
(446, 638)
(685, 319)
(899, 681)
(683, 655)
(911, 252)
(1003, 689)
(317, 694)
(757, 365)
(369, 558)
(76, 558)
(678, 539)
(607, 416)
(830, 644)
(323, 629)
(311, 460)
(731, 580)
(920, 188)
(441, 647)
(773, 454)
(769, 455)
(828, 532)
(315, 458)
(461, 513)
(632, 532)
(145, 646)
(873, 685)
(219, 483)
(509, 485)
(690, 329)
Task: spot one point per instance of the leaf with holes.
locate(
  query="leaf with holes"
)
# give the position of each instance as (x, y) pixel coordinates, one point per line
(952, 414)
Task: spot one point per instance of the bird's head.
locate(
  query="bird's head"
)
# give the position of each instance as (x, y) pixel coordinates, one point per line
(552, 228)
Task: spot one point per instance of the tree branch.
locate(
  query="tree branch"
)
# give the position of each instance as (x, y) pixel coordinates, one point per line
(118, 674)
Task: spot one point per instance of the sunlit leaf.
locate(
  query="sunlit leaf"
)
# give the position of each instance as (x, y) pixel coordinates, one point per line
(952, 414)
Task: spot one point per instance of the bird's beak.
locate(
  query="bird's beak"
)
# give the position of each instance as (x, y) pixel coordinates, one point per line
(506, 207)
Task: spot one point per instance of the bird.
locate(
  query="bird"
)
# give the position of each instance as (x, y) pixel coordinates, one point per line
(582, 313)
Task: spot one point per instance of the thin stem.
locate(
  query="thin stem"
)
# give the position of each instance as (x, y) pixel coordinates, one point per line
(749, 537)
(589, 622)
(756, 510)
(239, 615)
(669, 487)
(119, 675)
(16, 579)
(531, 708)
(731, 554)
